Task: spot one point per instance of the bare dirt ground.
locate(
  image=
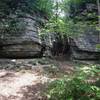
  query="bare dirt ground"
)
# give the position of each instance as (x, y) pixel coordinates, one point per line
(20, 86)
(24, 83)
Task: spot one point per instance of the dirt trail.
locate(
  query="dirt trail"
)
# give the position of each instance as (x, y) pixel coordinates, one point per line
(20, 86)
(27, 84)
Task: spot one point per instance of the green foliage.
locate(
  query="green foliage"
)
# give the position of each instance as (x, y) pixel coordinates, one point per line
(83, 10)
(54, 25)
(46, 6)
(66, 27)
(27, 6)
(10, 10)
(75, 87)
(79, 16)
(75, 29)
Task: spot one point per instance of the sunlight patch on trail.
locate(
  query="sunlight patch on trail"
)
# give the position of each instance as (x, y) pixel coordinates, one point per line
(20, 80)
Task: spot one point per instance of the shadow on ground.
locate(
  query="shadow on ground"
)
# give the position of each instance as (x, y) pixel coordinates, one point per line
(25, 79)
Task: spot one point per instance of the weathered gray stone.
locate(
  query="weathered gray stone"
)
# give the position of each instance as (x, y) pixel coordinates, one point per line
(85, 46)
(23, 43)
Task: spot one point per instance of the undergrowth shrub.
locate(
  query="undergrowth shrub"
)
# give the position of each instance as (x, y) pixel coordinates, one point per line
(76, 86)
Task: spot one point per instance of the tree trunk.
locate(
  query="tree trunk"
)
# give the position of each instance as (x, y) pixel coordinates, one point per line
(98, 4)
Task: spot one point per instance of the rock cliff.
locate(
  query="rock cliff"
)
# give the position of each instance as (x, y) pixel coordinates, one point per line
(19, 37)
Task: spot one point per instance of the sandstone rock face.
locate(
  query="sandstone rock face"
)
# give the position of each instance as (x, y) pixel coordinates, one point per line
(22, 42)
(85, 46)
